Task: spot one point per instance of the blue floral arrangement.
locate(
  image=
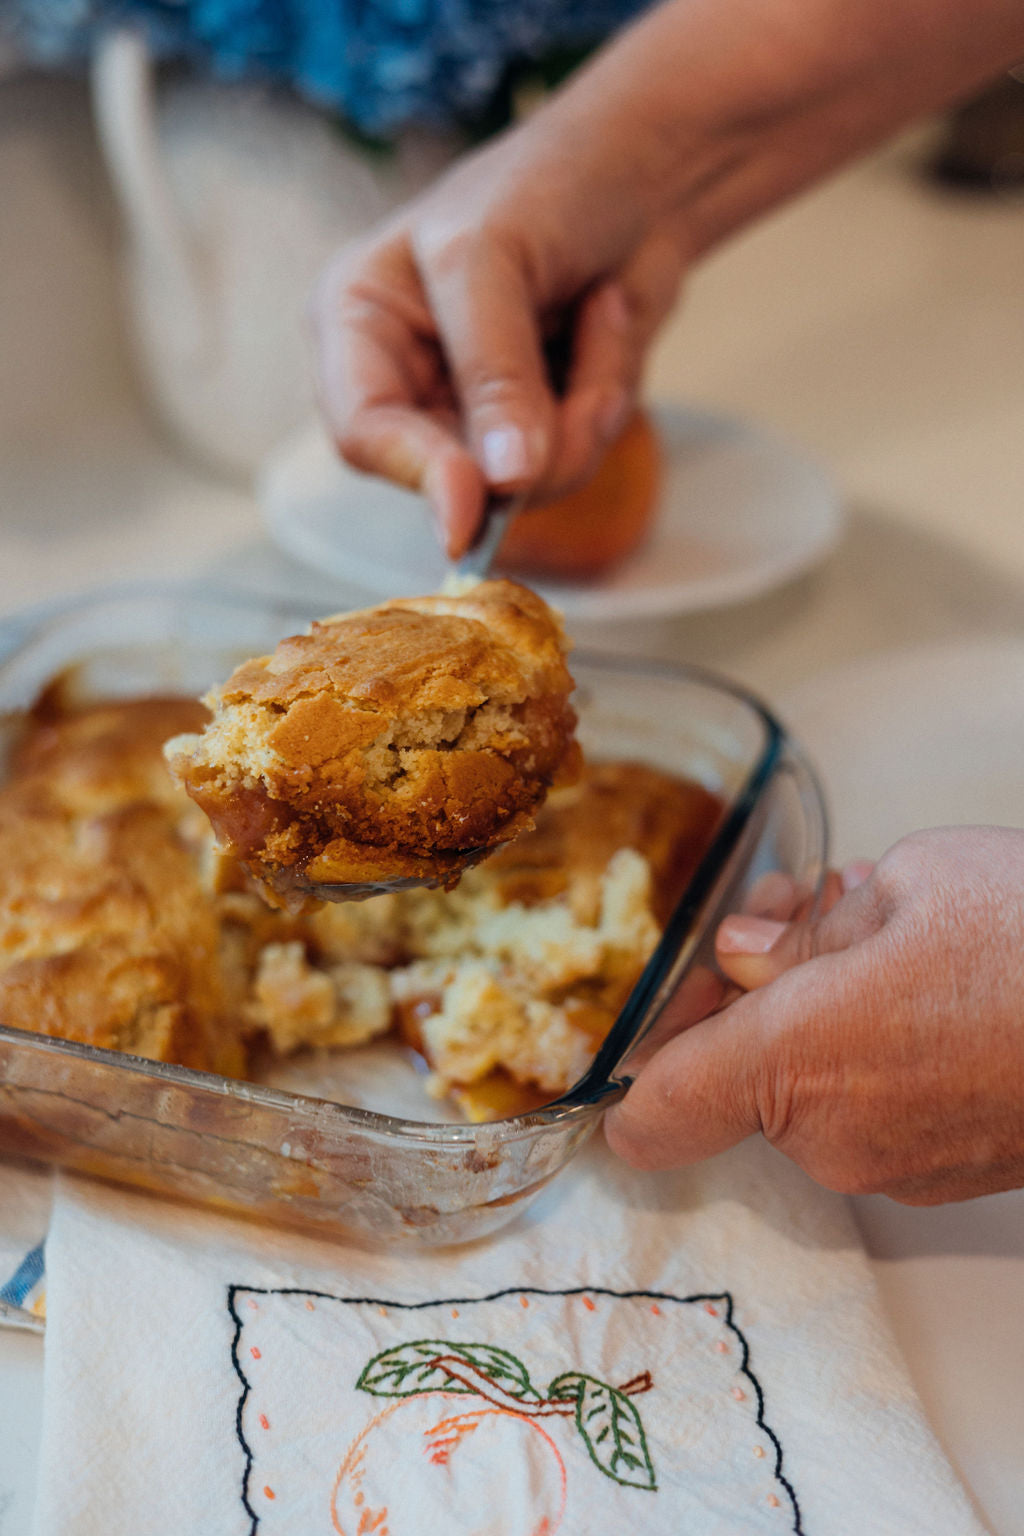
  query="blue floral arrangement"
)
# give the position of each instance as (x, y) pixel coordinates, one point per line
(379, 64)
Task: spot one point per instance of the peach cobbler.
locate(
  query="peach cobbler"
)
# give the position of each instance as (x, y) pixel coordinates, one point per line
(123, 925)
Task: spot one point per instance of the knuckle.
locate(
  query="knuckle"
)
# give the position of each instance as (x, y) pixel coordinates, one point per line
(497, 391)
(904, 868)
(777, 1102)
(447, 245)
(443, 251)
(329, 291)
(352, 442)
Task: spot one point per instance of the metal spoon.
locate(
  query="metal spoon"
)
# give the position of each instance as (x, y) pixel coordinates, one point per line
(478, 559)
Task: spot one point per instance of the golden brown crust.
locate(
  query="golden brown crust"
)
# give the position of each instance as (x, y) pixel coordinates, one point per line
(106, 934)
(614, 805)
(398, 743)
(103, 756)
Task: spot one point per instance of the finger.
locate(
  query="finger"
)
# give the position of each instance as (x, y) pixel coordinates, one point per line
(856, 872)
(700, 994)
(762, 1064)
(651, 279)
(600, 391)
(615, 327)
(412, 449)
(773, 895)
(696, 1097)
(754, 950)
(377, 370)
(489, 330)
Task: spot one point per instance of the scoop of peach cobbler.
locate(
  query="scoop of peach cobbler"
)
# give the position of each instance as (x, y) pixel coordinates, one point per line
(392, 747)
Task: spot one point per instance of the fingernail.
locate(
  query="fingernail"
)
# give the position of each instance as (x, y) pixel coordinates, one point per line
(506, 454)
(855, 873)
(743, 935)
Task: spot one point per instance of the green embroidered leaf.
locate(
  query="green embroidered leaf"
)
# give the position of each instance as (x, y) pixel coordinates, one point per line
(419, 1366)
(611, 1427)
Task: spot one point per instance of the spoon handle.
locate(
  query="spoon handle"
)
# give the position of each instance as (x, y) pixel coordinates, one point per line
(499, 512)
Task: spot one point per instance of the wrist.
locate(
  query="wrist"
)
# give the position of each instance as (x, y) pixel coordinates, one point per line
(666, 106)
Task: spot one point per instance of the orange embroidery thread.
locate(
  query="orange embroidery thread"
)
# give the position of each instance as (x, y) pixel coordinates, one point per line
(369, 1522)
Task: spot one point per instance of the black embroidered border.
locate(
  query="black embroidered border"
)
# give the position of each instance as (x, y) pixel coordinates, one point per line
(724, 1298)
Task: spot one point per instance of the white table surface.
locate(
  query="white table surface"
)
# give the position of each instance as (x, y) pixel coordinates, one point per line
(877, 321)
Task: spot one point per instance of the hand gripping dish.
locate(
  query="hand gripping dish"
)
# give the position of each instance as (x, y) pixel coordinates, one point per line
(390, 747)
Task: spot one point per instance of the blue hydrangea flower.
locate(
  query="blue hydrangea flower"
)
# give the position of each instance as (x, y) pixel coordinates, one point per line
(381, 64)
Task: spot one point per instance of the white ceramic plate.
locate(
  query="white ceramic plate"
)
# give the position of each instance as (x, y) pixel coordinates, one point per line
(740, 511)
(924, 737)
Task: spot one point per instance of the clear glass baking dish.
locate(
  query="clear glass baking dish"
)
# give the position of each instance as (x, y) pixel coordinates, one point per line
(342, 1169)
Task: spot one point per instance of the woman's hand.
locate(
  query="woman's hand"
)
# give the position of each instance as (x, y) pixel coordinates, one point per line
(430, 334)
(881, 1046)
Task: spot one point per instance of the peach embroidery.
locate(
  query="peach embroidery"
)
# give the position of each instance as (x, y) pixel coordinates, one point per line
(484, 1412)
(359, 1501)
(605, 1416)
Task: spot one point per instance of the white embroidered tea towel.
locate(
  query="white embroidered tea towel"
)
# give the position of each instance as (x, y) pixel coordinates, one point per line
(695, 1354)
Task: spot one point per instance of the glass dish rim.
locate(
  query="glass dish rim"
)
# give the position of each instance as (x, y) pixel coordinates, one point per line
(33, 624)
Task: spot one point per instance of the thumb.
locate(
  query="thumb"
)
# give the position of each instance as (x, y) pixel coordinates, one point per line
(753, 950)
(490, 333)
(697, 1096)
